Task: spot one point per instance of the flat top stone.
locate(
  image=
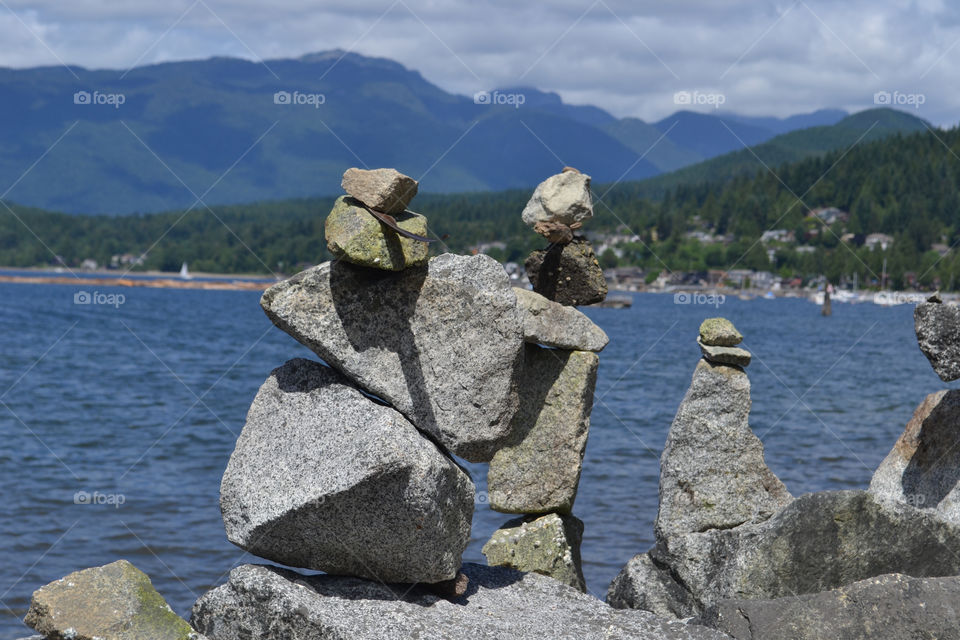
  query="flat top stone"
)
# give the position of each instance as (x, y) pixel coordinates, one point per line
(719, 332)
(385, 190)
(555, 325)
(725, 355)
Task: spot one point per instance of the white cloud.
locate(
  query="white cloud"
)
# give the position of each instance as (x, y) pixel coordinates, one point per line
(767, 58)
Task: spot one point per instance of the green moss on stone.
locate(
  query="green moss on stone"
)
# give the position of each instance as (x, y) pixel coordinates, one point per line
(354, 235)
(719, 332)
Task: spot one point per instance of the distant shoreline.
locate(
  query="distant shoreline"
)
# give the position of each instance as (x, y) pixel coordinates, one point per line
(147, 279)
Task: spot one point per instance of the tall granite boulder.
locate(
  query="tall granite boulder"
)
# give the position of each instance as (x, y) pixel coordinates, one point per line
(443, 343)
(356, 236)
(548, 545)
(554, 325)
(938, 332)
(538, 470)
(888, 607)
(325, 478)
(712, 471)
(923, 468)
(268, 602)
(113, 602)
(569, 274)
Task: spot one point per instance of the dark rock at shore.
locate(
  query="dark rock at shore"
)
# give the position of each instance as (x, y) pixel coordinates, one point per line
(268, 602)
(888, 607)
(325, 478)
(568, 274)
(938, 332)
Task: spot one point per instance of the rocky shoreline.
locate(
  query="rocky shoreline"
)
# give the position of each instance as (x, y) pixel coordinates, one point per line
(350, 467)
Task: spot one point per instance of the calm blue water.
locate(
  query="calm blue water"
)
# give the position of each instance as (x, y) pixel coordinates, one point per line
(142, 403)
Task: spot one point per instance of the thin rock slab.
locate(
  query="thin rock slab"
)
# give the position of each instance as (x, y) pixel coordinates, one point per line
(325, 478)
(569, 274)
(712, 471)
(555, 325)
(268, 602)
(443, 343)
(538, 471)
(354, 235)
(888, 607)
(548, 545)
(937, 327)
(563, 198)
(113, 602)
(725, 355)
(386, 190)
(923, 468)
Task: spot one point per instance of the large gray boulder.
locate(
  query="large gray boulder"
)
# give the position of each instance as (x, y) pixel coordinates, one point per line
(538, 470)
(555, 325)
(548, 545)
(938, 332)
(563, 198)
(712, 470)
(923, 468)
(888, 607)
(268, 602)
(443, 343)
(325, 478)
(818, 542)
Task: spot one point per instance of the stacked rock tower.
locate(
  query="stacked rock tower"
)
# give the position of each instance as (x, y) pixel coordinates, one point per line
(348, 467)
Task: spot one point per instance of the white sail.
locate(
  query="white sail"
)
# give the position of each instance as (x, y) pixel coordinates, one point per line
(184, 273)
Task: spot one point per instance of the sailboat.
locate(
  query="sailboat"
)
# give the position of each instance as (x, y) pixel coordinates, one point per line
(184, 273)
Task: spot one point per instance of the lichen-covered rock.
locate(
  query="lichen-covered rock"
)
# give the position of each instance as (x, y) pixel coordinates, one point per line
(712, 471)
(268, 602)
(923, 468)
(443, 343)
(354, 235)
(569, 274)
(563, 198)
(938, 332)
(725, 355)
(325, 478)
(548, 545)
(385, 190)
(538, 470)
(641, 584)
(555, 325)
(719, 332)
(888, 607)
(113, 602)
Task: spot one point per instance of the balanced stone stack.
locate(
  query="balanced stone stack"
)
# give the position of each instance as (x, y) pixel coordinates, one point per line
(567, 271)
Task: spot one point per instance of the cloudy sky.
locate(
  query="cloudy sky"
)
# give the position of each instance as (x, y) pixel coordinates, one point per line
(631, 58)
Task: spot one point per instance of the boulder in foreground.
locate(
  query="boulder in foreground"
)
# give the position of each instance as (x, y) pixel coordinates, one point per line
(268, 602)
(113, 602)
(325, 478)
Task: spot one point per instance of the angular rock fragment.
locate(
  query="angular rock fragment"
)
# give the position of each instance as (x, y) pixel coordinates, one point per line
(268, 602)
(325, 478)
(538, 470)
(641, 584)
(555, 325)
(443, 343)
(712, 471)
(938, 332)
(386, 190)
(725, 355)
(548, 545)
(113, 602)
(569, 274)
(563, 198)
(356, 236)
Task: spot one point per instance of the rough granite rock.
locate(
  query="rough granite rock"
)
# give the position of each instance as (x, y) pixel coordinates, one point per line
(725, 355)
(385, 190)
(938, 332)
(818, 542)
(538, 470)
(113, 602)
(569, 274)
(555, 325)
(719, 332)
(923, 468)
(354, 235)
(641, 584)
(563, 198)
(888, 607)
(325, 478)
(712, 470)
(548, 545)
(268, 602)
(443, 343)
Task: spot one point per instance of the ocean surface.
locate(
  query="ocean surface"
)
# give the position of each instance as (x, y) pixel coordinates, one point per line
(118, 418)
